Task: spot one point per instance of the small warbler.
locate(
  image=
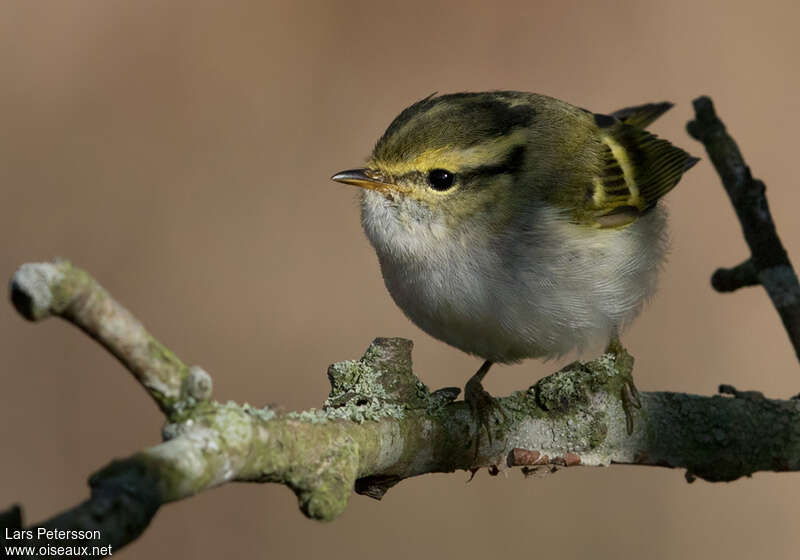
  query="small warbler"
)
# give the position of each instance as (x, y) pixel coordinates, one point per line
(514, 225)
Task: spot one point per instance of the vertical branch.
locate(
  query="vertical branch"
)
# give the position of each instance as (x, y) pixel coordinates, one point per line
(769, 264)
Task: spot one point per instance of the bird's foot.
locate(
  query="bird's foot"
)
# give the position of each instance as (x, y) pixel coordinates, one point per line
(630, 400)
(484, 409)
(629, 394)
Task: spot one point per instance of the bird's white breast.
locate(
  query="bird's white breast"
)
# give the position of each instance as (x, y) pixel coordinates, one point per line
(540, 290)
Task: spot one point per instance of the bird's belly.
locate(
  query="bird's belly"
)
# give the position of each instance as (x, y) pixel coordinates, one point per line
(536, 304)
(456, 310)
(479, 317)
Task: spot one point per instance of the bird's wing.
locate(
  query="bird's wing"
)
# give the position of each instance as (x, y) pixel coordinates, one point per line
(635, 169)
(641, 116)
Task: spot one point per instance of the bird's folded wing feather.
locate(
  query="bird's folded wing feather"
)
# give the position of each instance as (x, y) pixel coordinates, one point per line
(636, 168)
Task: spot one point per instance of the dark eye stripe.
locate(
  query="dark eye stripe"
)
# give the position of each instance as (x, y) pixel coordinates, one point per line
(510, 165)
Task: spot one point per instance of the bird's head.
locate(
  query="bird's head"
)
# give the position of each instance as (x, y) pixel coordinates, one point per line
(448, 160)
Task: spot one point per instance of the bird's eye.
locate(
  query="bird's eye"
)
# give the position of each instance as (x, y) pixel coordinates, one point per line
(440, 179)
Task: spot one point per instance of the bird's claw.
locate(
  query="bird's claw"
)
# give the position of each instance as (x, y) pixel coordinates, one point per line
(630, 400)
(484, 408)
(628, 394)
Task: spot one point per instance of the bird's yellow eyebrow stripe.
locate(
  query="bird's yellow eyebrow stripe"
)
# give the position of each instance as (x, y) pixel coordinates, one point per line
(455, 159)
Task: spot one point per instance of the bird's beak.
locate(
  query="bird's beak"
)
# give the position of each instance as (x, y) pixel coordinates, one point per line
(366, 179)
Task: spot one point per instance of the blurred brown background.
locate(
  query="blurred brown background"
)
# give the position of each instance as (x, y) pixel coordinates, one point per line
(180, 151)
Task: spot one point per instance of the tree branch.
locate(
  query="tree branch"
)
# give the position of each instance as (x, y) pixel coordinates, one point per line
(381, 424)
(731, 279)
(39, 290)
(769, 264)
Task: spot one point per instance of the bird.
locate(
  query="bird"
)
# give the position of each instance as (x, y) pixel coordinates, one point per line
(514, 225)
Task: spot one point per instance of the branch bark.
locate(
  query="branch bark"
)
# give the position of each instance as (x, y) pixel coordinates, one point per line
(381, 424)
(769, 264)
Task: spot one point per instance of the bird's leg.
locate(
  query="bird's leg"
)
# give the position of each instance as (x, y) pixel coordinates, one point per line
(481, 404)
(629, 393)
